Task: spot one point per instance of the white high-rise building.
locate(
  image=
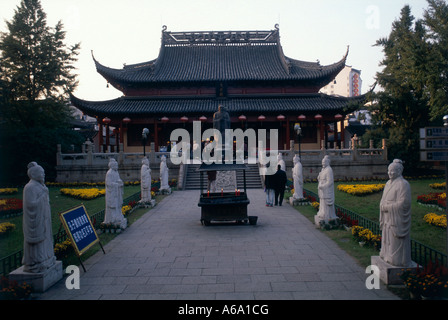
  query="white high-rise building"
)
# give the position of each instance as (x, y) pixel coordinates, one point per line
(347, 83)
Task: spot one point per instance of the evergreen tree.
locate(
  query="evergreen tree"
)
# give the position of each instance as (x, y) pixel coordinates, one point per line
(401, 106)
(436, 21)
(35, 81)
(36, 67)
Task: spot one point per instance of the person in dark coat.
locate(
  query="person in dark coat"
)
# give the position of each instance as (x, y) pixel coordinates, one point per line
(280, 180)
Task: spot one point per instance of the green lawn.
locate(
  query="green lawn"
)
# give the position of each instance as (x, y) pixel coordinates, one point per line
(59, 203)
(368, 206)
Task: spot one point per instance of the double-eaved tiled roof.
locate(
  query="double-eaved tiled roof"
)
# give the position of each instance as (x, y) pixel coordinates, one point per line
(221, 56)
(156, 106)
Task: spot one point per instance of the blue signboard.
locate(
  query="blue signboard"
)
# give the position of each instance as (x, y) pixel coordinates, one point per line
(79, 228)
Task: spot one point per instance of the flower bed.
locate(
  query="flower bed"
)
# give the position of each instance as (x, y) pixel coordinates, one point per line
(86, 184)
(361, 189)
(10, 206)
(434, 198)
(12, 290)
(431, 282)
(6, 228)
(8, 190)
(438, 220)
(85, 194)
(345, 219)
(441, 186)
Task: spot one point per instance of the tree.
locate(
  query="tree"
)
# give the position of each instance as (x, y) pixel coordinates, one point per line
(401, 106)
(436, 21)
(37, 68)
(35, 82)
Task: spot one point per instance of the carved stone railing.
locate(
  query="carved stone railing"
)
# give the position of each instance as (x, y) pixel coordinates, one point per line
(348, 163)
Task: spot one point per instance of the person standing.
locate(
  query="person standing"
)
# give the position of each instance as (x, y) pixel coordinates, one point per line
(280, 184)
(269, 188)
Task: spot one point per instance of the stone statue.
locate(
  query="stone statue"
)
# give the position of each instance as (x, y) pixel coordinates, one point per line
(114, 196)
(326, 193)
(297, 176)
(395, 218)
(145, 182)
(281, 162)
(221, 122)
(38, 250)
(164, 175)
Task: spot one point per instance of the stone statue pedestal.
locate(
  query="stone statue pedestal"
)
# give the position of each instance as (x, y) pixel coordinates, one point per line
(146, 204)
(298, 202)
(390, 274)
(165, 191)
(40, 282)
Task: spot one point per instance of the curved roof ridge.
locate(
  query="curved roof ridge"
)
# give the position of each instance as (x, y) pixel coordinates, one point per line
(257, 61)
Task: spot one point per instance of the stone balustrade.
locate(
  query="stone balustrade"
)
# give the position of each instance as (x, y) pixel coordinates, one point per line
(90, 166)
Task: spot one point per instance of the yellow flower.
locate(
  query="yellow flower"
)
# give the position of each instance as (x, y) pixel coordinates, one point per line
(125, 209)
(435, 219)
(6, 227)
(360, 189)
(438, 185)
(8, 190)
(85, 194)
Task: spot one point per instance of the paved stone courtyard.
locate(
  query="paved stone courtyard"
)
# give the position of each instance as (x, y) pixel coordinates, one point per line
(168, 255)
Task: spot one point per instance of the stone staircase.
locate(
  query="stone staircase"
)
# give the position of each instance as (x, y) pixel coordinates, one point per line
(193, 182)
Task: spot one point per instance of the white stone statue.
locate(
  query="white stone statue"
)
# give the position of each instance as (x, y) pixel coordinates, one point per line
(326, 193)
(38, 250)
(114, 196)
(164, 175)
(281, 162)
(145, 182)
(297, 175)
(395, 218)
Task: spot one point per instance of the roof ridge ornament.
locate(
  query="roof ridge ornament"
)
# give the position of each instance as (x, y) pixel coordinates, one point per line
(219, 37)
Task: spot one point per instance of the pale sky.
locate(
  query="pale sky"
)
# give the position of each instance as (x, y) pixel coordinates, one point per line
(129, 32)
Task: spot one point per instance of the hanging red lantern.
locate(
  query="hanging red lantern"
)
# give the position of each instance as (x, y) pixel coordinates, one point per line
(281, 117)
(302, 117)
(106, 120)
(242, 117)
(338, 117)
(318, 117)
(184, 119)
(165, 119)
(126, 120)
(261, 118)
(203, 118)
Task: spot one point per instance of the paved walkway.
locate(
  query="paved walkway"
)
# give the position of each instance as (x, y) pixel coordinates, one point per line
(167, 254)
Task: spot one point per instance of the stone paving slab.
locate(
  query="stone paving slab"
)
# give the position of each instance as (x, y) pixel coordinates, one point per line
(168, 255)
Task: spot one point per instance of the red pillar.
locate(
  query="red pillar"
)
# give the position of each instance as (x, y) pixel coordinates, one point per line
(156, 136)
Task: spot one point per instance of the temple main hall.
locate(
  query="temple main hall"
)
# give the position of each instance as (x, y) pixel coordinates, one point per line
(244, 71)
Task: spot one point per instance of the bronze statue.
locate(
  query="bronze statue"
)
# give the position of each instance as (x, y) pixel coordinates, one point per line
(221, 122)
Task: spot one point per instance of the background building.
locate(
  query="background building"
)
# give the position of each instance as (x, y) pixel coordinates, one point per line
(195, 72)
(346, 84)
